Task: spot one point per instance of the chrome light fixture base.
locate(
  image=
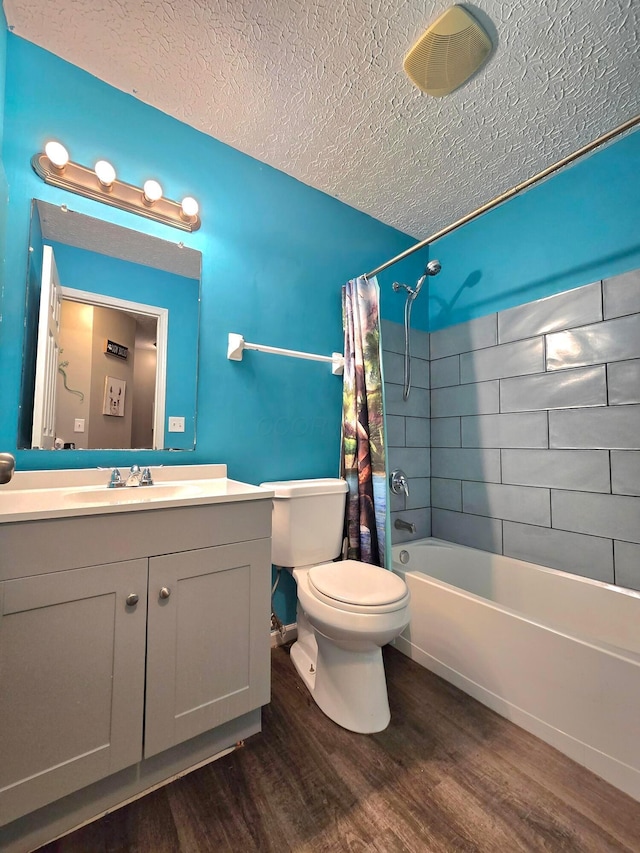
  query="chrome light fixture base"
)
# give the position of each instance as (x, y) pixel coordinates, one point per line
(83, 181)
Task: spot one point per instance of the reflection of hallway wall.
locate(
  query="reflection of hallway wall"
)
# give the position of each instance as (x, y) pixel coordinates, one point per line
(106, 430)
(76, 334)
(144, 382)
(84, 329)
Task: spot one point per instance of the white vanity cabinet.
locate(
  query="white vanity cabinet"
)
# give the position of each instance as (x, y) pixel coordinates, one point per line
(122, 636)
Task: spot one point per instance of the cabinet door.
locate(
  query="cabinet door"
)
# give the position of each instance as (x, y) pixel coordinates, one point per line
(208, 657)
(71, 681)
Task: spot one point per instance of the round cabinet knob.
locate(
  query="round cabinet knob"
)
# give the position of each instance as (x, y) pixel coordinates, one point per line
(132, 599)
(165, 592)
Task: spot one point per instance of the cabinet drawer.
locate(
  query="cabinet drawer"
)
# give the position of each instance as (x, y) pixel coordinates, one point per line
(91, 540)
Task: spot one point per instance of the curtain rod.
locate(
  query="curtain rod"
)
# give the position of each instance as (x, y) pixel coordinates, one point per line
(627, 125)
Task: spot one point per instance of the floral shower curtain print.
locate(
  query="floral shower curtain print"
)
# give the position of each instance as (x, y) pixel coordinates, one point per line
(363, 453)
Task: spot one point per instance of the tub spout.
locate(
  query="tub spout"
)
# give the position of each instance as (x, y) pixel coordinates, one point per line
(401, 524)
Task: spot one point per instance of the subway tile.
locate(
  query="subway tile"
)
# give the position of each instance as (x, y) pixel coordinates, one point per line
(616, 427)
(583, 386)
(417, 406)
(621, 294)
(394, 370)
(420, 344)
(392, 336)
(515, 359)
(511, 503)
(393, 367)
(625, 472)
(473, 334)
(413, 461)
(420, 517)
(478, 399)
(472, 530)
(466, 464)
(445, 432)
(526, 429)
(611, 340)
(397, 503)
(584, 470)
(446, 494)
(561, 311)
(627, 562)
(623, 382)
(445, 371)
(395, 431)
(588, 556)
(417, 431)
(419, 493)
(611, 516)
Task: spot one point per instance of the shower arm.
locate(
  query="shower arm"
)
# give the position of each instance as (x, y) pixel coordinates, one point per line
(606, 137)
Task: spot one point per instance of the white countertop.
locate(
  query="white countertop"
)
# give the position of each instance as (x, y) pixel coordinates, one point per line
(35, 495)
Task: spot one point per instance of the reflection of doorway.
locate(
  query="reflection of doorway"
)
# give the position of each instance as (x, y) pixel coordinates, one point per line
(86, 321)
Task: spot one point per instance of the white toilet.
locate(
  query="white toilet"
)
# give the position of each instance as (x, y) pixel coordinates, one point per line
(346, 610)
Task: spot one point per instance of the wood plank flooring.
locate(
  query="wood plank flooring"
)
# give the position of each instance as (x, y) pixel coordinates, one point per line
(448, 775)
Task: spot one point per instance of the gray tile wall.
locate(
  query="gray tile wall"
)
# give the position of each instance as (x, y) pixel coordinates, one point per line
(535, 431)
(408, 427)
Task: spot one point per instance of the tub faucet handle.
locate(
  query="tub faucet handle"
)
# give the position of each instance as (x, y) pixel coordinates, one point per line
(399, 483)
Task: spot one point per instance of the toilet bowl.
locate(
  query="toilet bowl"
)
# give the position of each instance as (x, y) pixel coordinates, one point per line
(347, 610)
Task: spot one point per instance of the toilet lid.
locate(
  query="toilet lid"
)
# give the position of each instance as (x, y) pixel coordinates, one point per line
(352, 582)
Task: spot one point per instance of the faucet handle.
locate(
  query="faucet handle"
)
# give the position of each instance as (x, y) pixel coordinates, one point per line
(398, 482)
(115, 479)
(146, 479)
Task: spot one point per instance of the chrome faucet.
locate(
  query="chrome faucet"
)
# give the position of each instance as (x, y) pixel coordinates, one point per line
(398, 482)
(136, 477)
(401, 524)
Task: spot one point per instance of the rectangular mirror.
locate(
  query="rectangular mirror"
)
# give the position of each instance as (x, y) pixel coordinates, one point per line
(110, 355)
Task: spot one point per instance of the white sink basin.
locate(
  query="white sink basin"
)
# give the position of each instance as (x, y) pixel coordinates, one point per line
(138, 494)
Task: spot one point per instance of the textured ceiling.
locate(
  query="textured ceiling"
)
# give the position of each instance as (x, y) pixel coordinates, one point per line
(317, 89)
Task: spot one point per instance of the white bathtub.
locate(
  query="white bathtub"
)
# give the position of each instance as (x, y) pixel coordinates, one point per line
(555, 653)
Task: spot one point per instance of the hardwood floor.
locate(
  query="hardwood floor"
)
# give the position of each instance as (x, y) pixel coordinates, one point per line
(447, 775)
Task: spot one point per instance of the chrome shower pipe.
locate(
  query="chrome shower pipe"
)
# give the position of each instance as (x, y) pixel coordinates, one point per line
(586, 149)
(432, 268)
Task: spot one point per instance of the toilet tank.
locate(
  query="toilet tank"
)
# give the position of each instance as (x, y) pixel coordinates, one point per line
(308, 520)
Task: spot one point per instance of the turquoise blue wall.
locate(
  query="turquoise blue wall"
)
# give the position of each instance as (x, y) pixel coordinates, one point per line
(275, 254)
(578, 226)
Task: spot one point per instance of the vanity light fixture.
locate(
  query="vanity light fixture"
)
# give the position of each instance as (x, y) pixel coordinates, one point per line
(100, 184)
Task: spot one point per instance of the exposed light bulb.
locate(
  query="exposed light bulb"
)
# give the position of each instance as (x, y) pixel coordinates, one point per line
(105, 172)
(190, 207)
(152, 191)
(57, 154)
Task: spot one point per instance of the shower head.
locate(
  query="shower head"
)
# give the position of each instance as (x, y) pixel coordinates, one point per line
(432, 268)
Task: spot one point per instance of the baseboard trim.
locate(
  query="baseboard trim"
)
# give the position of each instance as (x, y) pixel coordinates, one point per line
(290, 634)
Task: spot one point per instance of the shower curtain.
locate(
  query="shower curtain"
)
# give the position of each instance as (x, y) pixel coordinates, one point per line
(363, 453)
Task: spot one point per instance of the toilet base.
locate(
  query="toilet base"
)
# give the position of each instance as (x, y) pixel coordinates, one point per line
(348, 686)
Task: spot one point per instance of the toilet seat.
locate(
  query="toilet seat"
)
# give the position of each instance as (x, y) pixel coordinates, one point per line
(357, 587)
